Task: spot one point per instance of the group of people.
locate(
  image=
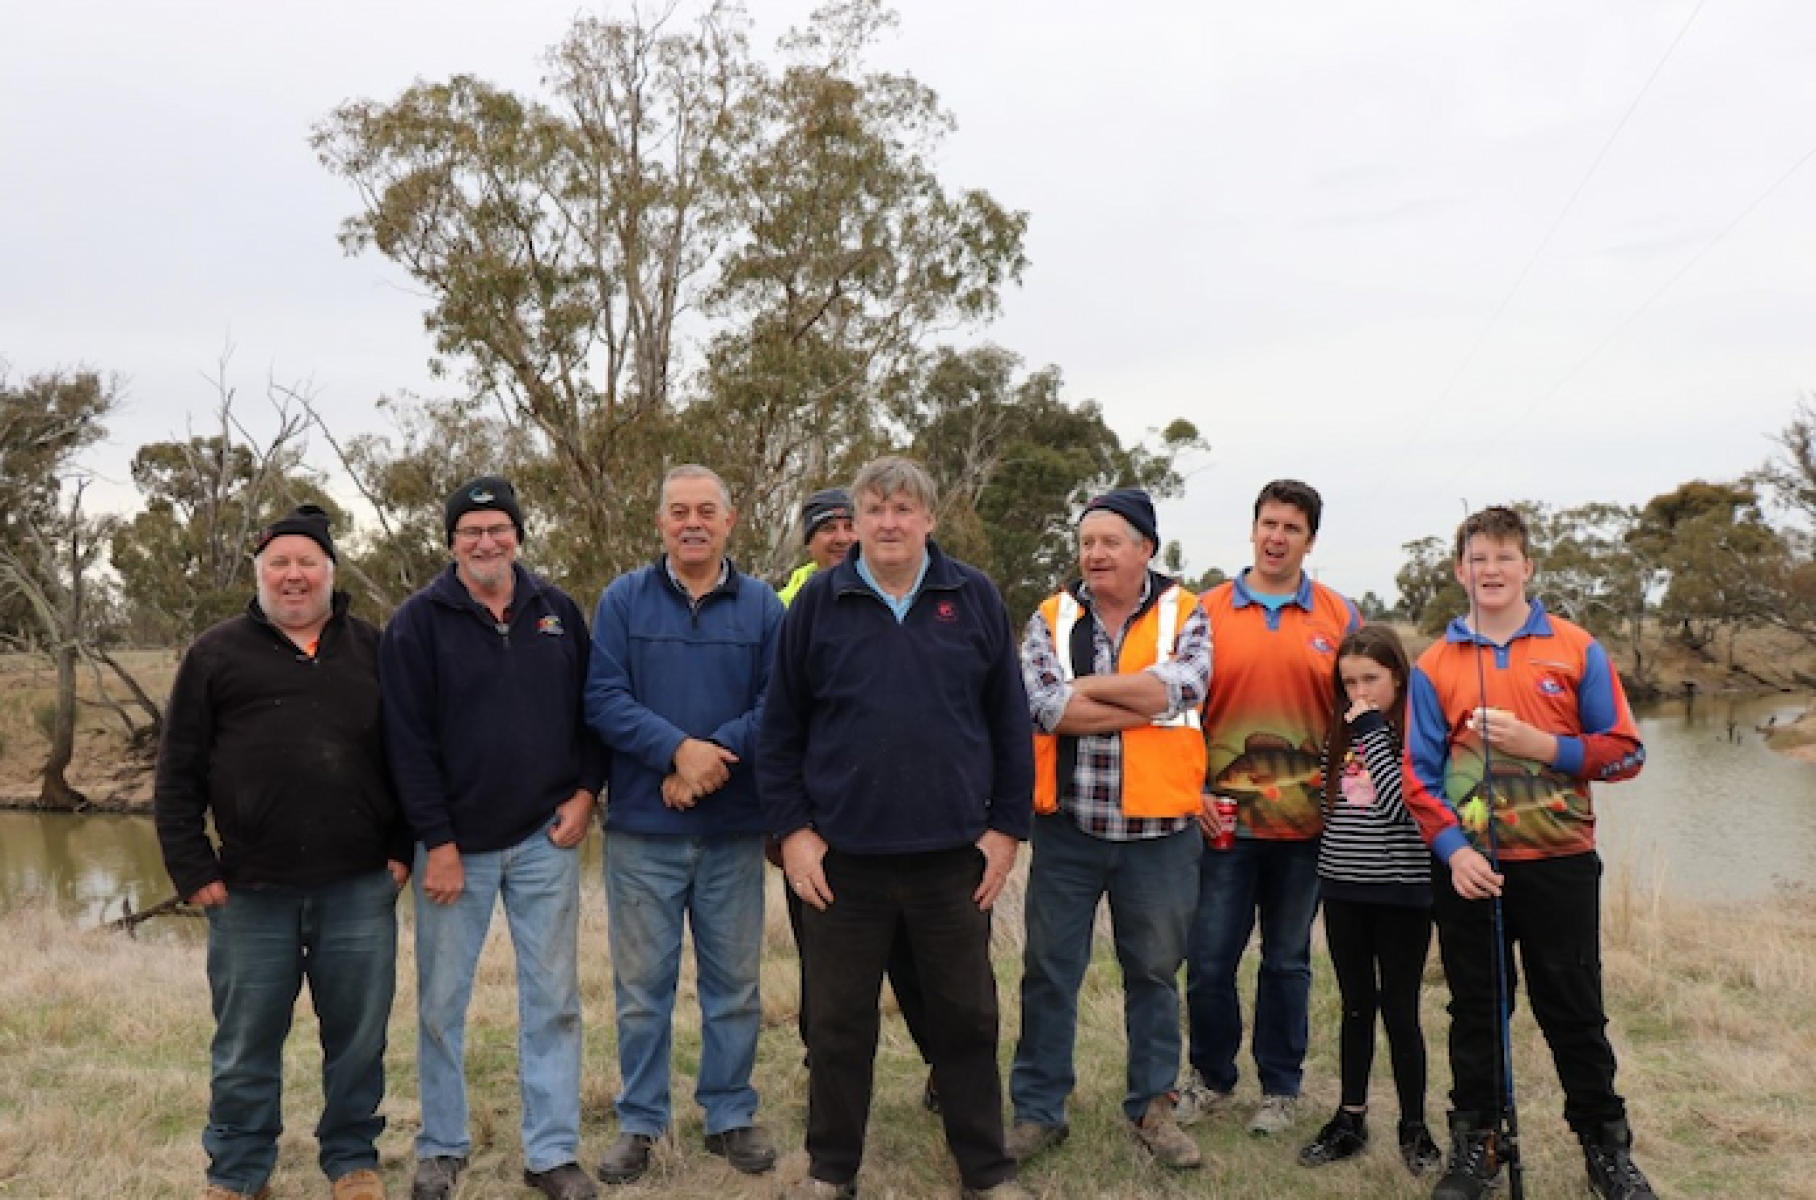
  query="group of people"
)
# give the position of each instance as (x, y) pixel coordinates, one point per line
(882, 733)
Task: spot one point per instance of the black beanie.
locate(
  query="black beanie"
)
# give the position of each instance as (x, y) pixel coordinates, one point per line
(306, 520)
(488, 493)
(830, 504)
(1133, 506)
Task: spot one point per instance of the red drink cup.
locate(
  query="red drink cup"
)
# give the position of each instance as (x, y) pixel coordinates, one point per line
(1226, 824)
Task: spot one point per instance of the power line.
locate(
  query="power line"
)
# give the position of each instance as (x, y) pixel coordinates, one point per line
(1557, 222)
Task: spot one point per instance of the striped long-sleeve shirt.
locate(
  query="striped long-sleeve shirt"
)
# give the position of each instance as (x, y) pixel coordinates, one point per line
(1371, 851)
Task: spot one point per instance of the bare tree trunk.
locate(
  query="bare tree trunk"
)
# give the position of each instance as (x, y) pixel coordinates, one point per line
(56, 792)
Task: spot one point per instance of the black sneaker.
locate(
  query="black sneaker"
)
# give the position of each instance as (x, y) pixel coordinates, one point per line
(1609, 1159)
(565, 1182)
(1475, 1161)
(1343, 1136)
(747, 1149)
(627, 1159)
(436, 1177)
(1418, 1150)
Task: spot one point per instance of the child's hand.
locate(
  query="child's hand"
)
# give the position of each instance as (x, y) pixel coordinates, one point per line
(1472, 877)
(1504, 731)
(1356, 710)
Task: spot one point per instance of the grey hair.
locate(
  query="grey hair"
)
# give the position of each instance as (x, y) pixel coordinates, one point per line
(693, 471)
(886, 476)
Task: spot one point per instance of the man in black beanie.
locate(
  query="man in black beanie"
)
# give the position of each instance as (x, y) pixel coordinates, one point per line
(826, 528)
(273, 727)
(483, 675)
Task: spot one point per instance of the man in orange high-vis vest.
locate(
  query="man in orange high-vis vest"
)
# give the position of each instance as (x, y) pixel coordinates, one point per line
(1116, 667)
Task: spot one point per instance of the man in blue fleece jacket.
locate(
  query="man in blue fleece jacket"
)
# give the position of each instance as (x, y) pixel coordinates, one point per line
(897, 770)
(681, 652)
(482, 674)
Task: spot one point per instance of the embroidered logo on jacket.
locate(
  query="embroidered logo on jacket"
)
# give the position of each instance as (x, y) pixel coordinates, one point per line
(945, 611)
(1321, 644)
(550, 625)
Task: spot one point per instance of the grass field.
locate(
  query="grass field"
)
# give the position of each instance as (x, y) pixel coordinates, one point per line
(103, 1074)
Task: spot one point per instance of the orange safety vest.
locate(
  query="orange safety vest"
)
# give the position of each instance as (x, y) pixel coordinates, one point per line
(1162, 761)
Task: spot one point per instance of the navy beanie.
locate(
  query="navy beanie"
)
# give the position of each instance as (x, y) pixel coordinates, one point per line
(488, 493)
(305, 520)
(829, 504)
(1133, 506)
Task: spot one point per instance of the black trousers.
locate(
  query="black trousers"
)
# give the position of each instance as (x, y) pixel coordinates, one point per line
(846, 949)
(904, 978)
(1552, 913)
(1378, 952)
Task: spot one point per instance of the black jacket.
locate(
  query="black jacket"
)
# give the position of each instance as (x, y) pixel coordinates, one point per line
(286, 751)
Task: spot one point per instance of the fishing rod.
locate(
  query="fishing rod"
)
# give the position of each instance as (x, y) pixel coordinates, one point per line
(1507, 1125)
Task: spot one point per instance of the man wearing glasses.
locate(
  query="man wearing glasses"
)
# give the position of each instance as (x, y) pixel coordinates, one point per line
(482, 675)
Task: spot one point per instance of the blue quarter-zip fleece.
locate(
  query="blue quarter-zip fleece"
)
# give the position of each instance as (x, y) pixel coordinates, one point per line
(663, 670)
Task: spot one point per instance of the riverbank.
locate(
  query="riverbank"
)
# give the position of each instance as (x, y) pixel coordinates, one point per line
(105, 1041)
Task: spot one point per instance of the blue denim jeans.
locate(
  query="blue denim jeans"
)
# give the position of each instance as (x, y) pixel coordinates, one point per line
(1153, 888)
(653, 885)
(262, 945)
(1279, 881)
(539, 884)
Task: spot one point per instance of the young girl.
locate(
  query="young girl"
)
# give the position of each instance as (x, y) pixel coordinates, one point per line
(1374, 877)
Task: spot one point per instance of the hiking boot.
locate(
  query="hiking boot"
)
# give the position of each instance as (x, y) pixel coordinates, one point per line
(436, 1177)
(930, 1095)
(363, 1184)
(1025, 1139)
(627, 1159)
(566, 1182)
(1475, 1160)
(1343, 1136)
(1274, 1116)
(216, 1192)
(809, 1188)
(1612, 1174)
(747, 1149)
(1161, 1136)
(1194, 1099)
(1008, 1189)
(1418, 1150)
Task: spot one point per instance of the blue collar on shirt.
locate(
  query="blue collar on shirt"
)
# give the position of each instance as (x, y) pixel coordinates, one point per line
(898, 607)
(1246, 596)
(1537, 624)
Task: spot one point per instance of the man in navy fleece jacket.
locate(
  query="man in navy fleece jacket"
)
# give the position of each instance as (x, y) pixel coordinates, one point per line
(482, 673)
(896, 768)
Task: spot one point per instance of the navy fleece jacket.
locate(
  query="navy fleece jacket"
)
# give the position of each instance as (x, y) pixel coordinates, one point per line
(484, 726)
(664, 670)
(893, 738)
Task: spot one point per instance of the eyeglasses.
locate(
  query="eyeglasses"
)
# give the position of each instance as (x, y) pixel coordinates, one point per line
(472, 533)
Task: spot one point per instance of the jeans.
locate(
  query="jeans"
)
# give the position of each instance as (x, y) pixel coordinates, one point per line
(654, 884)
(262, 945)
(1152, 886)
(847, 945)
(540, 885)
(1278, 880)
(1551, 909)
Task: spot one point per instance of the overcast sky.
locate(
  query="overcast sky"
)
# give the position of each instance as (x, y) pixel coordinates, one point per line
(1328, 233)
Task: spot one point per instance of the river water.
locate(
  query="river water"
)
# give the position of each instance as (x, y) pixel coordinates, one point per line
(1714, 816)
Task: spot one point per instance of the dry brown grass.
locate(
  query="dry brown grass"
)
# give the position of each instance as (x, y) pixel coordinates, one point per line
(104, 1042)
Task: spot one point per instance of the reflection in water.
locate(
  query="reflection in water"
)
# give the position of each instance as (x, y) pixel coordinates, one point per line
(1714, 816)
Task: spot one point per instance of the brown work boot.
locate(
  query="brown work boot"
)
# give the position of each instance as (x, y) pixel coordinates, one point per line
(217, 1192)
(363, 1184)
(1161, 1136)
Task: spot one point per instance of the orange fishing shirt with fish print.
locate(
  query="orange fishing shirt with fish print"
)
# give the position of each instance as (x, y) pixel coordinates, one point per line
(1270, 704)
